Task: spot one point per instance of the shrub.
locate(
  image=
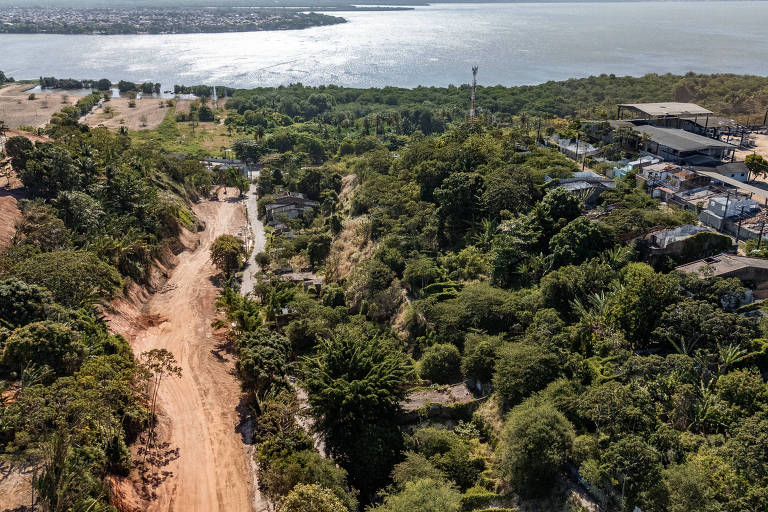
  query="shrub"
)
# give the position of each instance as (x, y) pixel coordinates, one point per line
(522, 369)
(533, 448)
(441, 364)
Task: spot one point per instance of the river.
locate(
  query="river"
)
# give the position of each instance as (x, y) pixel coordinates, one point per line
(513, 44)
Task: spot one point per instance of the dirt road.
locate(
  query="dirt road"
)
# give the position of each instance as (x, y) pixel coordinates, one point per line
(206, 468)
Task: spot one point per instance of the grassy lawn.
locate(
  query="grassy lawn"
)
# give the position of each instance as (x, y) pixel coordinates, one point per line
(206, 139)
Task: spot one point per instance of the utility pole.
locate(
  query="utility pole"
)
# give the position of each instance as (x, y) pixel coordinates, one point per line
(738, 233)
(725, 212)
(472, 101)
(538, 132)
(760, 238)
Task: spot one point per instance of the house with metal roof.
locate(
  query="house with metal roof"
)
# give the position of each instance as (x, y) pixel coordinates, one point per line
(661, 110)
(682, 147)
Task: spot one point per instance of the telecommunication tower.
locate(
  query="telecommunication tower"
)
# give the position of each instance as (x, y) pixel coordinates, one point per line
(474, 86)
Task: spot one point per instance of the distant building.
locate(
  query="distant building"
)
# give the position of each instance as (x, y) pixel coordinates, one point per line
(288, 205)
(651, 111)
(735, 170)
(574, 148)
(587, 184)
(682, 147)
(752, 272)
(685, 243)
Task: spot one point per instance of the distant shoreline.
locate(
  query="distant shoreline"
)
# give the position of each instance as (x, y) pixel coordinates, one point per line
(156, 21)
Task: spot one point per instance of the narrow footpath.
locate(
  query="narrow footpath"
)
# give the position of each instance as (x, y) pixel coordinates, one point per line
(257, 237)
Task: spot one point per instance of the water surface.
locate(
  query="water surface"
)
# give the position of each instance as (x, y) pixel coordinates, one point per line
(514, 44)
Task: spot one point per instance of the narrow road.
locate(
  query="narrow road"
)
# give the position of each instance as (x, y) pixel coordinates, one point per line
(257, 236)
(204, 464)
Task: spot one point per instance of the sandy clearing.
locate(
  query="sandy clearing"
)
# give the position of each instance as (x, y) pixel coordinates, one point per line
(209, 470)
(183, 106)
(115, 113)
(761, 148)
(16, 109)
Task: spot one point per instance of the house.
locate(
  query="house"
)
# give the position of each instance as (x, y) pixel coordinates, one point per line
(664, 110)
(287, 205)
(685, 243)
(752, 272)
(634, 165)
(574, 148)
(682, 147)
(726, 213)
(732, 206)
(587, 184)
(735, 170)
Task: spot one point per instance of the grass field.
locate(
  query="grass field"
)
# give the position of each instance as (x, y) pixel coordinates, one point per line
(204, 139)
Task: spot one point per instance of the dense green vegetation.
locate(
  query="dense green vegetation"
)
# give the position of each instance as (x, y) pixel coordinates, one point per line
(470, 263)
(99, 210)
(428, 109)
(449, 254)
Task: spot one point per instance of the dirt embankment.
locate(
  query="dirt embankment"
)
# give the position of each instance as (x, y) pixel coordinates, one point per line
(351, 246)
(9, 215)
(201, 459)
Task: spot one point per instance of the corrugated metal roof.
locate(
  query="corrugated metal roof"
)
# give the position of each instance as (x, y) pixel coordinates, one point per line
(680, 140)
(667, 108)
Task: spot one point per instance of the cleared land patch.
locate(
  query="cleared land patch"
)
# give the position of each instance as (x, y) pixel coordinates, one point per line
(17, 109)
(116, 113)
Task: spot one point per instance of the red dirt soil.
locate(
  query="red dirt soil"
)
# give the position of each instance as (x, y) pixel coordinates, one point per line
(201, 463)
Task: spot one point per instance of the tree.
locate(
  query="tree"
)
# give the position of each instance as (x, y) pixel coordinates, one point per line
(691, 324)
(748, 448)
(522, 369)
(533, 448)
(706, 483)
(282, 472)
(311, 498)
(40, 227)
(157, 363)
(228, 254)
(72, 277)
(248, 150)
(757, 165)
(421, 272)
(44, 343)
(49, 170)
(355, 383)
(450, 454)
(635, 307)
(415, 467)
(18, 149)
(458, 197)
(425, 495)
(580, 240)
(441, 363)
(511, 189)
(262, 361)
(636, 466)
(558, 208)
(22, 303)
(480, 357)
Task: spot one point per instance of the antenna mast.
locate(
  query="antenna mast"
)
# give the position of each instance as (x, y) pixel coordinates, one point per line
(474, 86)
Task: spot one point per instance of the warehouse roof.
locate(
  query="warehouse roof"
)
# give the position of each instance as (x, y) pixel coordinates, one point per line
(667, 109)
(680, 140)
